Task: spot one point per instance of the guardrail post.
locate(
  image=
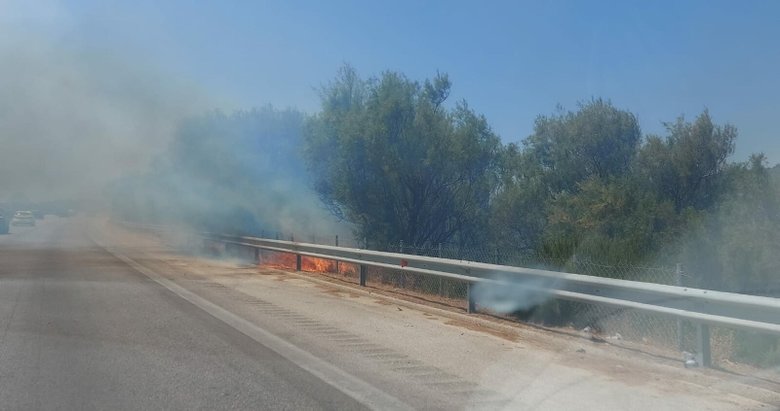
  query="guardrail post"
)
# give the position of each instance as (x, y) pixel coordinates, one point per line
(337, 261)
(680, 337)
(471, 306)
(297, 262)
(362, 275)
(440, 293)
(703, 349)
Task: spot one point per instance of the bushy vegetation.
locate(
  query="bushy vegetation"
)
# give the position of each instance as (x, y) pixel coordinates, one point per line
(398, 162)
(390, 156)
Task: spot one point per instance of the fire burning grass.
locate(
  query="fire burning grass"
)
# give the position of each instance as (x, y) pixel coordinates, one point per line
(286, 261)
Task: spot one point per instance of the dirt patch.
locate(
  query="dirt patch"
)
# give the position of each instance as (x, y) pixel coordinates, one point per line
(410, 293)
(506, 335)
(337, 292)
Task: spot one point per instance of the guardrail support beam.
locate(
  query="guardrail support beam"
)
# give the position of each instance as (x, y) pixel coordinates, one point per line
(703, 349)
(362, 275)
(471, 306)
(297, 262)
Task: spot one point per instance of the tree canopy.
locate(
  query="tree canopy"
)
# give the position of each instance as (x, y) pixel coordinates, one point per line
(389, 156)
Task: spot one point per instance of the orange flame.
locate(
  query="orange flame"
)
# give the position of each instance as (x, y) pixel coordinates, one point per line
(287, 261)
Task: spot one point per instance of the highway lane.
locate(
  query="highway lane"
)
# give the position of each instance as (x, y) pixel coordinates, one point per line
(80, 329)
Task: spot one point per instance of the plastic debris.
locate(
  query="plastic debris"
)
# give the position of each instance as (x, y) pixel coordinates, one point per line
(689, 360)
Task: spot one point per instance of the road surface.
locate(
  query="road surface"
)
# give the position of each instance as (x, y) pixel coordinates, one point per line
(82, 330)
(93, 316)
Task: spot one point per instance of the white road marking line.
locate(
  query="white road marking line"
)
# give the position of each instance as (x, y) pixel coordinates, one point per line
(350, 385)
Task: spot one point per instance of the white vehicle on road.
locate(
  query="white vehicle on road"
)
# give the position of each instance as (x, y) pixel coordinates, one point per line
(23, 218)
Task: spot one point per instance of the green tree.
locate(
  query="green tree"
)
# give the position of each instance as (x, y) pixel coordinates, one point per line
(519, 208)
(542, 178)
(598, 140)
(689, 165)
(612, 222)
(388, 156)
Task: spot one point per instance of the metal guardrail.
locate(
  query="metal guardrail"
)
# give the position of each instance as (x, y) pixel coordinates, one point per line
(702, 307)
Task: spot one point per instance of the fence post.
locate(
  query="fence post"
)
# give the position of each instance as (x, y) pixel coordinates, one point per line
(703, 349)
(471, 306)
(337, 261)
(362, 275)
(440, 291)
(297, 262)
(402, 282)
(680, 339)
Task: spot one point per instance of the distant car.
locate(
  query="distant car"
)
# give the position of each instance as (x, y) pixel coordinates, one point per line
(23, 218)
(3, 223)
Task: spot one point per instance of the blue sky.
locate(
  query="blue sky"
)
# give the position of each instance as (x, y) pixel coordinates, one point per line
(510, 60)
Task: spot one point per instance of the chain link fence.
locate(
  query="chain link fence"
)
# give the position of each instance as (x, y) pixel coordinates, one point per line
(615, 324)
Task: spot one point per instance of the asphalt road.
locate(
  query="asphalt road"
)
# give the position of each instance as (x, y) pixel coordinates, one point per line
(80, 329)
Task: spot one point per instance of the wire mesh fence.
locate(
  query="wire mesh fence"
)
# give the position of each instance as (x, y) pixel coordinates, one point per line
(444, 291)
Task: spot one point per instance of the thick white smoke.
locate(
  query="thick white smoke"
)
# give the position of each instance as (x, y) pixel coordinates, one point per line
(73, 117)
